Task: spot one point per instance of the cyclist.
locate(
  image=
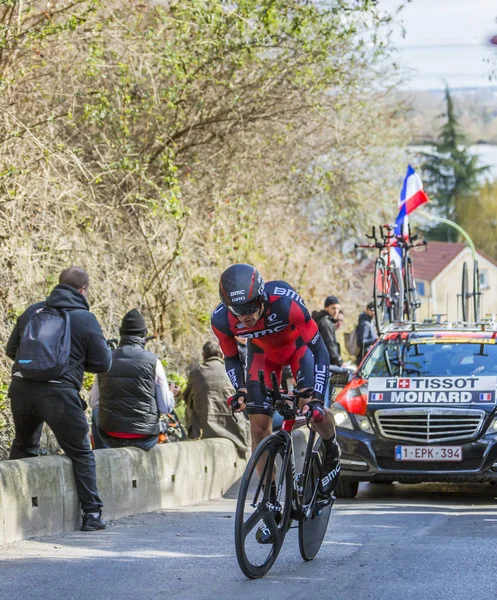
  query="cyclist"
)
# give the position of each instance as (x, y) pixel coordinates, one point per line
(280, 331)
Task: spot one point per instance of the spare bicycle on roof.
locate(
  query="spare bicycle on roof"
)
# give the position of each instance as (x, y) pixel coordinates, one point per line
(466, 296)
(394, 287)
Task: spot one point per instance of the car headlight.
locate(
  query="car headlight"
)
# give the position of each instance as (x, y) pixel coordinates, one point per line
(341, 416)
(364, 424)
(492, 427)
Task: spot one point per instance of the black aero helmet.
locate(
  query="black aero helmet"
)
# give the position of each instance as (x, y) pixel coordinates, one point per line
(241, 289)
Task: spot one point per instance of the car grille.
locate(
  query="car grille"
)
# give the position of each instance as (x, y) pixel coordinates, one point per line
(390, 464)
(430, 425)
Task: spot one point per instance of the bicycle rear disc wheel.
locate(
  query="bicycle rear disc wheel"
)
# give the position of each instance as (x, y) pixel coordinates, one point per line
(257, 509)
(316, 509)
(380, 294)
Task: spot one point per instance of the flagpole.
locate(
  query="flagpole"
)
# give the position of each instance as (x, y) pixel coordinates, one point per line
(452, 224)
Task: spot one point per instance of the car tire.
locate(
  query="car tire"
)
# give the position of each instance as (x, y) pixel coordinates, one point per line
(347, 489)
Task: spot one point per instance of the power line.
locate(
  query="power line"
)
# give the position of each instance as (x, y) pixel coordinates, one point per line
(479, 45)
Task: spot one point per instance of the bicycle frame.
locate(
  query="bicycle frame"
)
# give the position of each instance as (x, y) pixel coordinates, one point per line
(299, 509)
(288, 404)
(282, 493)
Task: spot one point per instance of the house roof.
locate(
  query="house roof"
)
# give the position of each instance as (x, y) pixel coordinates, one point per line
(430, 262)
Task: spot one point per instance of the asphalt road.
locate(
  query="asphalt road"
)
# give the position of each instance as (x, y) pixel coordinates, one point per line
(394, 542)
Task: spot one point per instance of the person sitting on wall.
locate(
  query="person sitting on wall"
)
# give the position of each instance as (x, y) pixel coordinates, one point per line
(206, 394)
(131, 396)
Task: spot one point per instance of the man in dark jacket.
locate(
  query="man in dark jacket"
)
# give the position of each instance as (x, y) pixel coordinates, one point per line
(131, 396)
(206, 394)
(58, 403)
(366, 333)
(326, 321)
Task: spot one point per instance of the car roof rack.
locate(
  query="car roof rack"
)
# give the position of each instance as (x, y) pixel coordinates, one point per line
(489, 324)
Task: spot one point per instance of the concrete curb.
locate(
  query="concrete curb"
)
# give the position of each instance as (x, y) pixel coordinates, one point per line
(38, 495)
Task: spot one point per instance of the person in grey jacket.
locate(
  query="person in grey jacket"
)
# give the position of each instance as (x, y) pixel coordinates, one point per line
(366, 333)
(58, 403)
(326, 321)
(206, 394)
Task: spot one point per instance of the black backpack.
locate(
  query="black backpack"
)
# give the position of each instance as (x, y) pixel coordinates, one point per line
(45, 345)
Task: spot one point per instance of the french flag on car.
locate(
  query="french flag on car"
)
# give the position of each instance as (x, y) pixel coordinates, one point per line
(485, 397)
(412, 196)
(379, 397)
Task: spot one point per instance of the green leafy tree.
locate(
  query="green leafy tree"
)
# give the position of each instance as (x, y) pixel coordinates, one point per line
(154, 143)
(479, 219)
(451, 174)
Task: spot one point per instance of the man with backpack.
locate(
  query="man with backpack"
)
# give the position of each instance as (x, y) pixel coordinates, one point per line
(53, 343)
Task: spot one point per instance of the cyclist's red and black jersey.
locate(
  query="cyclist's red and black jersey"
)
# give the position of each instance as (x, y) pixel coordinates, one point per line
(285, 334)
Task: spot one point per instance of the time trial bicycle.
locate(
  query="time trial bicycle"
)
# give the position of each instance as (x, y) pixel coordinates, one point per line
(273, 493)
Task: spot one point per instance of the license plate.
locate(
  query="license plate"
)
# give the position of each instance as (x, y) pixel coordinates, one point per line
(429, 453)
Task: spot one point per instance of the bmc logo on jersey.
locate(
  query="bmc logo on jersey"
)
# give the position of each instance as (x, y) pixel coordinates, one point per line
(279, 291)
(258, 334)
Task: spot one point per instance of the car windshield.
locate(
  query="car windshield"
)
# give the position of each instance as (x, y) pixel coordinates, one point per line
(394, 358)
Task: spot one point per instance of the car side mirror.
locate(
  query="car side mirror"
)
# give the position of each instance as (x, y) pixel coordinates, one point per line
(339, 376)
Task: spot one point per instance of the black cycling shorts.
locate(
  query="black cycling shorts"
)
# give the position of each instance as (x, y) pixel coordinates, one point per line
(297, 355)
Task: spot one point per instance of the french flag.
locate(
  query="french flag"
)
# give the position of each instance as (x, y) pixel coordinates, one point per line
(411, 197)
(485, 397)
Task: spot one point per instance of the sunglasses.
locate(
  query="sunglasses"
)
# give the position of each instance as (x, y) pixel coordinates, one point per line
(247, 308)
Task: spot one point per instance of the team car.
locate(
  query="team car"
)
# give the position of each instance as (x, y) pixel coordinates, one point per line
(421, 407)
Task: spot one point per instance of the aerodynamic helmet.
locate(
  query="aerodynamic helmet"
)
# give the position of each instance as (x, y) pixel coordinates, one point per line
(241, 289)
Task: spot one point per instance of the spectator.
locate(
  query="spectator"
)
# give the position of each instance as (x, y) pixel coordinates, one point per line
(326, 320)
(57, 401)
(131, 396)
(366, 334)
(340, 320)
(206, 394)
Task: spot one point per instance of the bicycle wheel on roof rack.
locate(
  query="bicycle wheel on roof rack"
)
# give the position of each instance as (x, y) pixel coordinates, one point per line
(410, 293)
(476, 292)
(465, 293)
(395, 295)
(380, 294)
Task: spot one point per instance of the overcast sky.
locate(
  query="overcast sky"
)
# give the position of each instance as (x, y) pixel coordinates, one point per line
(446, 40)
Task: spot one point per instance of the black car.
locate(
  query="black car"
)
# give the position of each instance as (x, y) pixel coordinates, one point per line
(421, 408)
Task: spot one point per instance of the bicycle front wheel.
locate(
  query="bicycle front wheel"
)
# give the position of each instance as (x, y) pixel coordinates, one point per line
(316, 509)
(263, 507)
